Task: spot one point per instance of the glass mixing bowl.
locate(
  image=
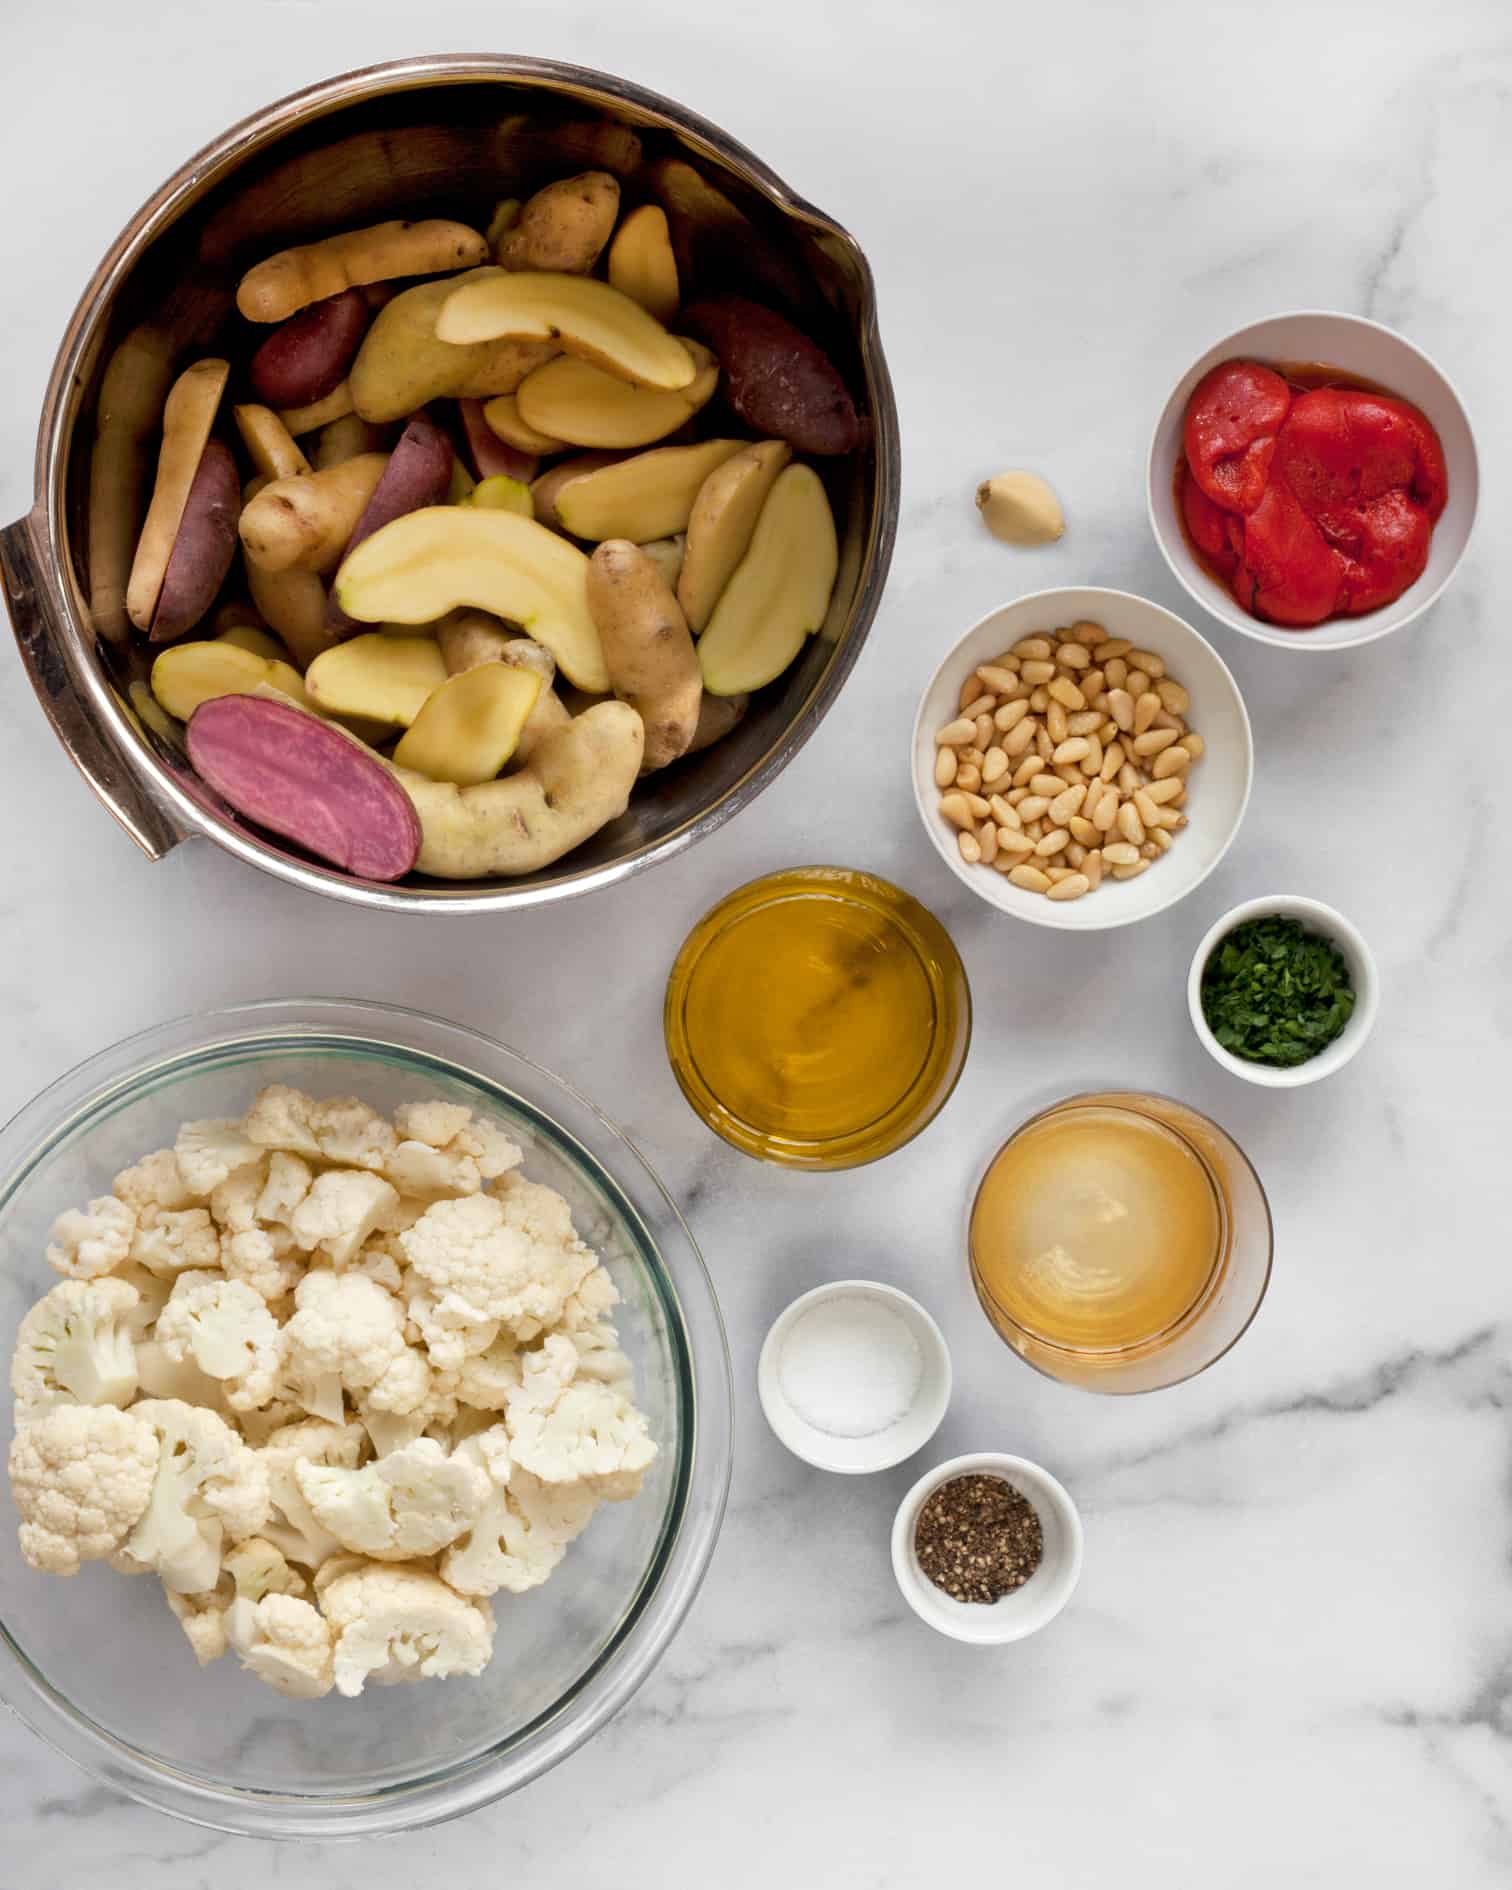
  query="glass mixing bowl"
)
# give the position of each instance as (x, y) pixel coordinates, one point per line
(99, 1667)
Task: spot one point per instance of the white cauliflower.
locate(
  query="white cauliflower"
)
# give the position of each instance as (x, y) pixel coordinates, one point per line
(93, 1242)
(595, 1299)
(280, 1119)
(152, 1291)
(443, 1324)
(350, 1133)
(74, 1347)
(155, 1181)
(285, 1642)
(601, 1359)
(159, 1376)
(409, 1504)
(511, 1257)
(489, 1147)
(392, 1623)
(208, 1486)
(524, 1528)
(224, 1328)
(452, 1127)
(203, 1619)
(176, 1240)
(292, 1527)
(262, 1256)
(565, 1430)
(287, 1184)
(379, 1261)
(209, 1151)
(432, 1174)
(347, 1335)
(434, 1122)
(252, 1570)
(341, 1210)
(486, 1379)
(80, 1477)
(233, 1204)
(254, 1258)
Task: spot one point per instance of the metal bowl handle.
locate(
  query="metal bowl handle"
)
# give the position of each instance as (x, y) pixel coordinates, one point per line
(67, 695)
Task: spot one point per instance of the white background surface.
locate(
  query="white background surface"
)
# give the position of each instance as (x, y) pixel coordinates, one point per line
(1290, 1659)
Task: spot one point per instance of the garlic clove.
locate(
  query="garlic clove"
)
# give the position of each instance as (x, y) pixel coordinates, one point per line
(1021, 509)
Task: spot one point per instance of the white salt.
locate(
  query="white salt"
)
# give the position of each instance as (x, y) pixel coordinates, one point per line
(850, 1366)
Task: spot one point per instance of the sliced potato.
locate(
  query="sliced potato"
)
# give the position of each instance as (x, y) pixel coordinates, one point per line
(503, 416)
(444, 557)
(500, 493)
(401, 365)
(385, 679)
(641, 263)
(469, 727)
(780, 590)
(583, 315)
(546, 488)
(188, 416)
(649, 495)
(721, 523)
(571, 399)
(192, 673)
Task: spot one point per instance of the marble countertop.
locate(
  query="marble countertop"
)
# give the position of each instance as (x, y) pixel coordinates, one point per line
(1290, 1658)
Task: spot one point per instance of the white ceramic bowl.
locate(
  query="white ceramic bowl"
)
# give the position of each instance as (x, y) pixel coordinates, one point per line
(879, 1450)
(1026, 1609)
(1360, 347)
(1220, 781)
(1315, 917)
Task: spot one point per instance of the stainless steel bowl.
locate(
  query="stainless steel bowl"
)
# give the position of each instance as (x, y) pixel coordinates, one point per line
(412, 137)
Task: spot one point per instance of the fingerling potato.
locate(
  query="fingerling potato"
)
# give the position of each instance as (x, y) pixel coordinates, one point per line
(203, 546)
(307, 357)
(188, 416)
(563, 226)
(641, 262)
(312, 272)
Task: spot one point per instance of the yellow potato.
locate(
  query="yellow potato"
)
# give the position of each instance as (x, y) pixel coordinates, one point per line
(652, 662)
(547, 487)
(444, 557)
(572, 400)
(335, 405)
(304, 523)
(583, 315)
(641, 263)
(470, 726)
(780, 590)
(401, 365)
(291, 280)
(500, 493)
(502, 414)
(563, 227)
(384, 679)
(269, 443)
(649, 495)
(188, 416)
(293, 603)
(192, 673)
(720, 525)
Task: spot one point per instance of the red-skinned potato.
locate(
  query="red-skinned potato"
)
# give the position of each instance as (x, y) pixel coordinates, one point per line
(418, 473)
(203, 547)
(775, 378)
(300, 778)
(308, 355)
(491, 455)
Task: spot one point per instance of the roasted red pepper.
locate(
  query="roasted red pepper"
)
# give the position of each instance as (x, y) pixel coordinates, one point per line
(1231, 425)
(1217, 534)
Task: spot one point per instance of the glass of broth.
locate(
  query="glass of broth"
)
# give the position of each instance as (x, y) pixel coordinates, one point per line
(1120, 1241)
(818, 1017)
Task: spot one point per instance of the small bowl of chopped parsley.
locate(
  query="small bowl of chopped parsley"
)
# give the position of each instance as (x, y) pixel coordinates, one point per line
(1282, 991)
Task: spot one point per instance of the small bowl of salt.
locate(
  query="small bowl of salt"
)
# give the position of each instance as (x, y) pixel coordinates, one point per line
(854, 1377)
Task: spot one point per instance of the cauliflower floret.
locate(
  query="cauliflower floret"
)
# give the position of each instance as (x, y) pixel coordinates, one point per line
(152, 1292)
(261, 1256)
(431, 1174)
(208, 1486)
(511, 1257)
(258, 1568)
(94, 1241)
(293, 1528)
(254, 1258)
(251, 1570)
(601, 1359)
(347, 1334)
(525, 1526)
(566, 1430)
(392, 1623)
(203, 1619)
(596, 1297)
(80, 1477)
(351, 1133)
(280, 1119)
(159, 1376)
(444, 1325)
(379, 1261)
(341, 1210)
(233, 1204)
(486, 1379)
(434, 1122)
(403, 1215)
(489, 1147)
(408, 1504)
(284, 1641)
(287, 1185)
(258, 1426)
(208, 1151)
(74, 1347)
(155, 1181)
(169, 1241)
(225, 1328)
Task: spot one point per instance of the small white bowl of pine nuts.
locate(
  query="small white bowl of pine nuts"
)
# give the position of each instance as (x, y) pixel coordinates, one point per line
(1082, 759)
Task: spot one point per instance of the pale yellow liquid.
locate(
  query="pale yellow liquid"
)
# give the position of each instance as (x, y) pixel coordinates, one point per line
(1096, 1229)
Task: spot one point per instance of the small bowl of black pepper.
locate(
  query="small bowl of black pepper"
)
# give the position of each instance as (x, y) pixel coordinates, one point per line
(987, 1548)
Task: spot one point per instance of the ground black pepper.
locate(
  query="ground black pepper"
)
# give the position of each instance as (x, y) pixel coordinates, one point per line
(978, 1538)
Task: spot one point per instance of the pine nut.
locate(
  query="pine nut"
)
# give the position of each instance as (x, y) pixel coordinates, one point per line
(1159, 792)
(1033, 806)
(1075, 854)
(1083, 831)
(1090, 683)
(1057, 873)
(1039, 699)
(1003, 812)
(1136, 682)
(1120, 853)
(1025, 772)
(1043, 746)
(983, 723)
(998, 680)
(1092, 869)
(1162, 839)
(1003, 864)
(1066, 804)
(1083, 723)
(945, 766)
(979, 705)
(1036, 649)
(1111, 647)
(1015, 795)
(1153, 740)
(1031, 879)
(970, 690)
(1018, 738)
(1131, 872)
(1166, 720)
(1174, 761)
(1130, 825)
(1168, 817)
(1091, 762)
(1006, 660)
(1055, 721)
(1034, 830)
(1113, 760)
(1193, 743)
(1066, 693)
(1010, 715)
(956, 734)
(969, 776)
(1011, 841)
(1074, 656)
(1071, 888)
(1129, 778)
(1077, 748)
(994, 767)
(1047, 784)
(1151, 664)
(1116, 670)
(971, 848)
(987, 843)
(1149, 850)
(1146, 708)
(1034, 672)
(1121, 708)
(1144, 807)
(1107, 811)
(1052, 843)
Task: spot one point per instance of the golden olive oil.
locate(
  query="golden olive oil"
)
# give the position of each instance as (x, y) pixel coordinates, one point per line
(817, 1017)
(1096, 1229)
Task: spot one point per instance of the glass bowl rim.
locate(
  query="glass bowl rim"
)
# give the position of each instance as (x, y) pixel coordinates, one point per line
(701, 1350)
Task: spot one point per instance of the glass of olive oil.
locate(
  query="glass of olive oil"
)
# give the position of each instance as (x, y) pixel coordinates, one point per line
(818, 1017)
(1120, 1241)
